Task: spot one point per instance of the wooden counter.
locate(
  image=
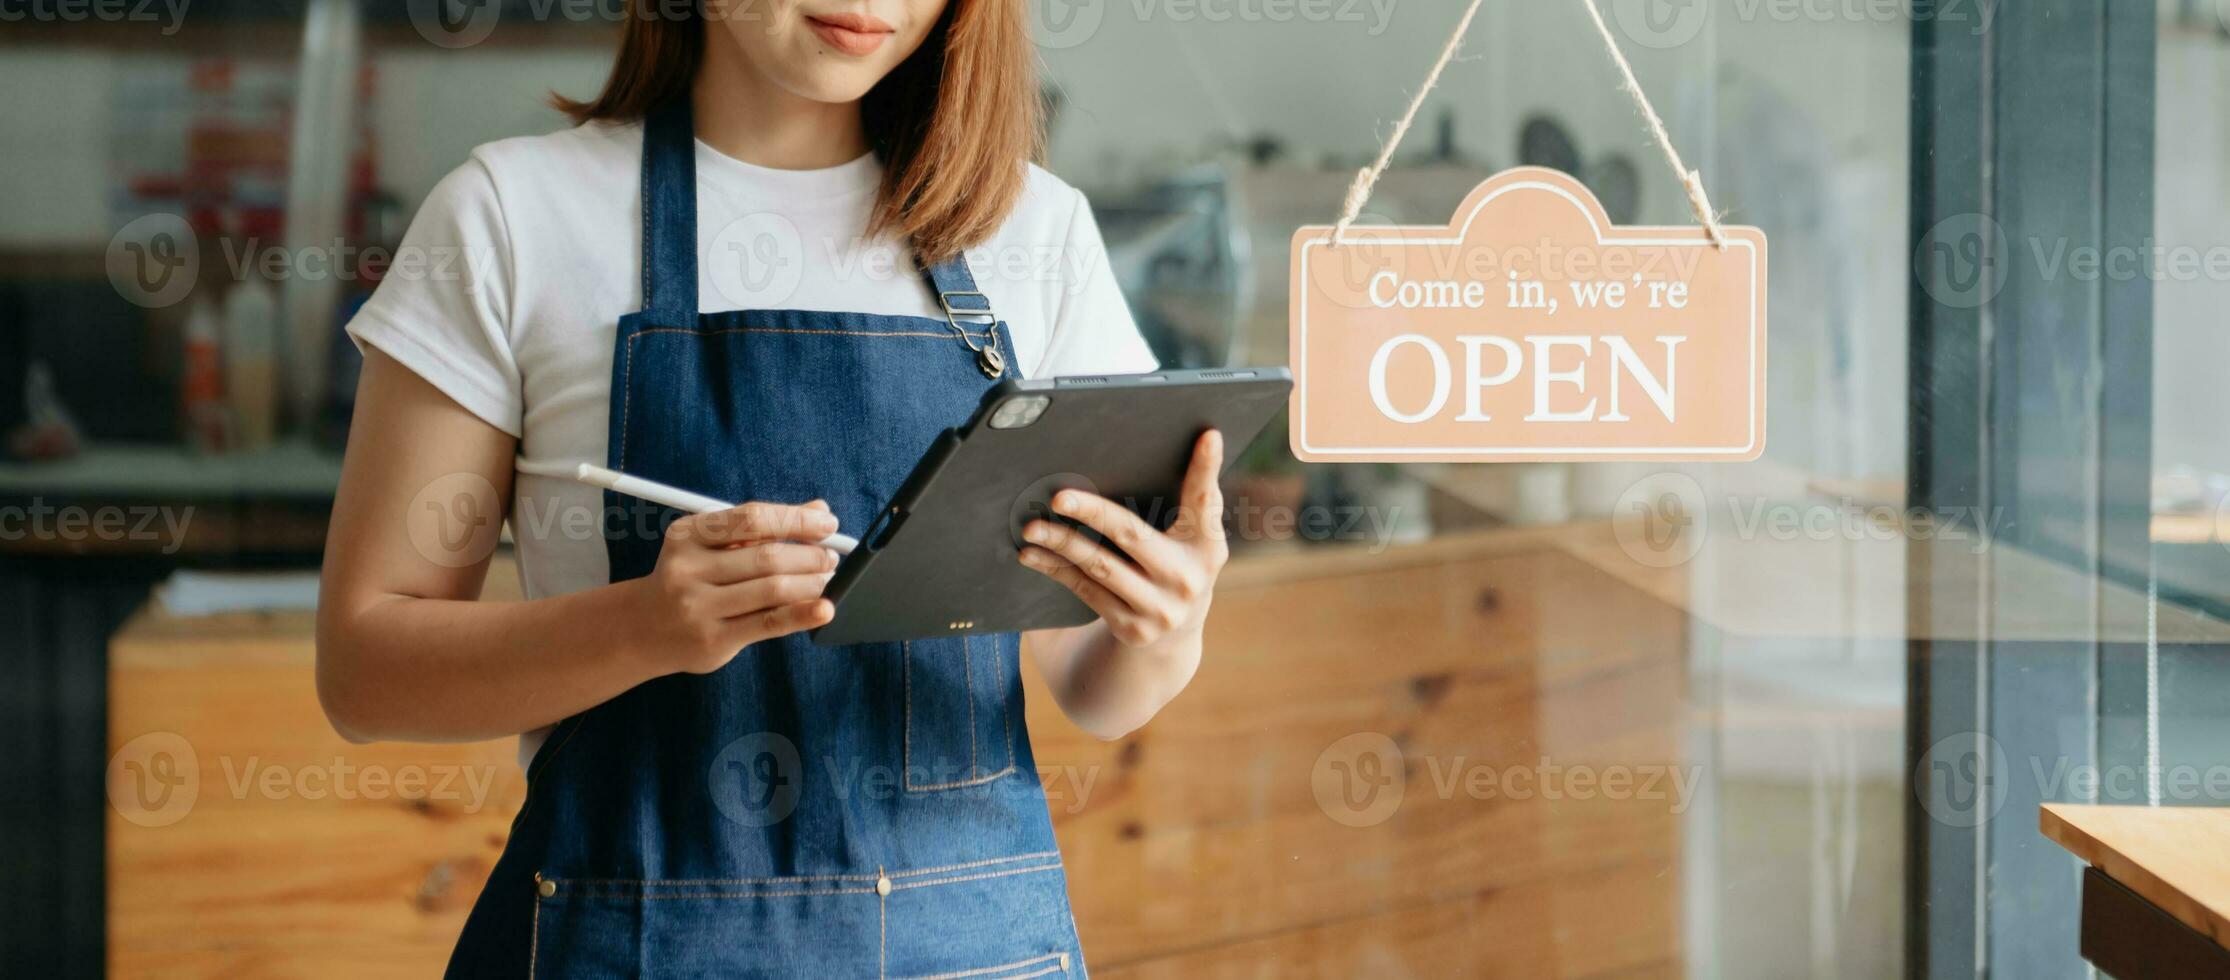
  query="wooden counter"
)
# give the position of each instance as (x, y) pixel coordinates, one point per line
(1203, 847)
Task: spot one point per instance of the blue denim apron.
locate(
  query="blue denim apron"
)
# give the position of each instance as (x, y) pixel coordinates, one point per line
(864, 811)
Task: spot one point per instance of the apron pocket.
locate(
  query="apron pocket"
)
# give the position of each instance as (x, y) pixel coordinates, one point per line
(698, 930)
(999, 919)
(1004, 919)
(959, 725)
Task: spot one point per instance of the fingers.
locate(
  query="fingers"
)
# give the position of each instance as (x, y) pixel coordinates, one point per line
(1055, 545)
(1143, 542)
(744, 599)
(1120, 617)
(1200, 510)
(795, 617)
(754, 522)
(734, 565)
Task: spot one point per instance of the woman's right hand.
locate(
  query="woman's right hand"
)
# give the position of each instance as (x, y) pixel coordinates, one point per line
(730, 579)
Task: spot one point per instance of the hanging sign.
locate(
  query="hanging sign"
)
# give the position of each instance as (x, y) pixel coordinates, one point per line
(1528, 328)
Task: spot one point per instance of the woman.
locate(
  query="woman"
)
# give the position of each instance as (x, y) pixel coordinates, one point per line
(710, 794)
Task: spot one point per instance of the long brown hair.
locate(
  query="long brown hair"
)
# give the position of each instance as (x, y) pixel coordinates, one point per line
(953, 124)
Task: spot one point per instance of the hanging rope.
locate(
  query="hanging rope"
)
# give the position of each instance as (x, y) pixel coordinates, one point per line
(1359, 192)
(1698, 201)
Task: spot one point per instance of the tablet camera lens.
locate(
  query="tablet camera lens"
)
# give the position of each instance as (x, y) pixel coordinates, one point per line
(1019, 413)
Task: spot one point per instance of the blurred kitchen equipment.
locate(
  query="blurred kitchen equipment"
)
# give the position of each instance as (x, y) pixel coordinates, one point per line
(47, 432)
(1181, 255)
(1547, 142)
(1618, 184)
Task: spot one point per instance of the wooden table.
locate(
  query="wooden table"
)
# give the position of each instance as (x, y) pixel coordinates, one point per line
(2156, 897)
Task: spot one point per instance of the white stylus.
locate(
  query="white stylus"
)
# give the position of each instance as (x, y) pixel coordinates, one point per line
(658, 493)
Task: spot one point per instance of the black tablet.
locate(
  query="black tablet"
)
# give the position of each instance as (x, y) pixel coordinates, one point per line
(939, 560)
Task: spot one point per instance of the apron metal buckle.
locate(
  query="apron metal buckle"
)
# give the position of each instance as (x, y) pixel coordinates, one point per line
(979, 312)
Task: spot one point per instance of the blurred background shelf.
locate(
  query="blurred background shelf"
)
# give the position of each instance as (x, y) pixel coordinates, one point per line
(288, 470)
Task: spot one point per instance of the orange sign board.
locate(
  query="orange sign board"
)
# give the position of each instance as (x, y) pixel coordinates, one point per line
(1528, 328)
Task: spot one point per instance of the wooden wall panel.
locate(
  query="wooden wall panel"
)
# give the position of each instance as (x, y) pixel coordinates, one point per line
(1201, 848)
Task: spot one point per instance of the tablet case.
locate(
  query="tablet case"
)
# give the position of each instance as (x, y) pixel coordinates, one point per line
(939, 560)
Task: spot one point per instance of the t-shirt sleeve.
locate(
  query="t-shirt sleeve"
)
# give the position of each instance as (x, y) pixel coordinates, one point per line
(443, 310)
(1093, 332)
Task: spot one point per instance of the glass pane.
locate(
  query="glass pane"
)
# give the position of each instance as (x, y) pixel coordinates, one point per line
(2183, 725)
(1730, 636)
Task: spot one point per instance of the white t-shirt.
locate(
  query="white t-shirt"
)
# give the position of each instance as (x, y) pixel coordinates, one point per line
(510, 284)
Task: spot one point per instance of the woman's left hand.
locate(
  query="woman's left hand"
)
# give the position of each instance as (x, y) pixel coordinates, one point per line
(1151, 585)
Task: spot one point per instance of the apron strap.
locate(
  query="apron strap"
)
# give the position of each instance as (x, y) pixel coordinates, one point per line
(955, 287)
(670, 214)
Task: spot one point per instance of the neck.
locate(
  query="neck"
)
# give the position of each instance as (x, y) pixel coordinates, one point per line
(744, 115)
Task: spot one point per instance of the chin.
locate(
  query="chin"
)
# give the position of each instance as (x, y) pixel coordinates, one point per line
(833, 84)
